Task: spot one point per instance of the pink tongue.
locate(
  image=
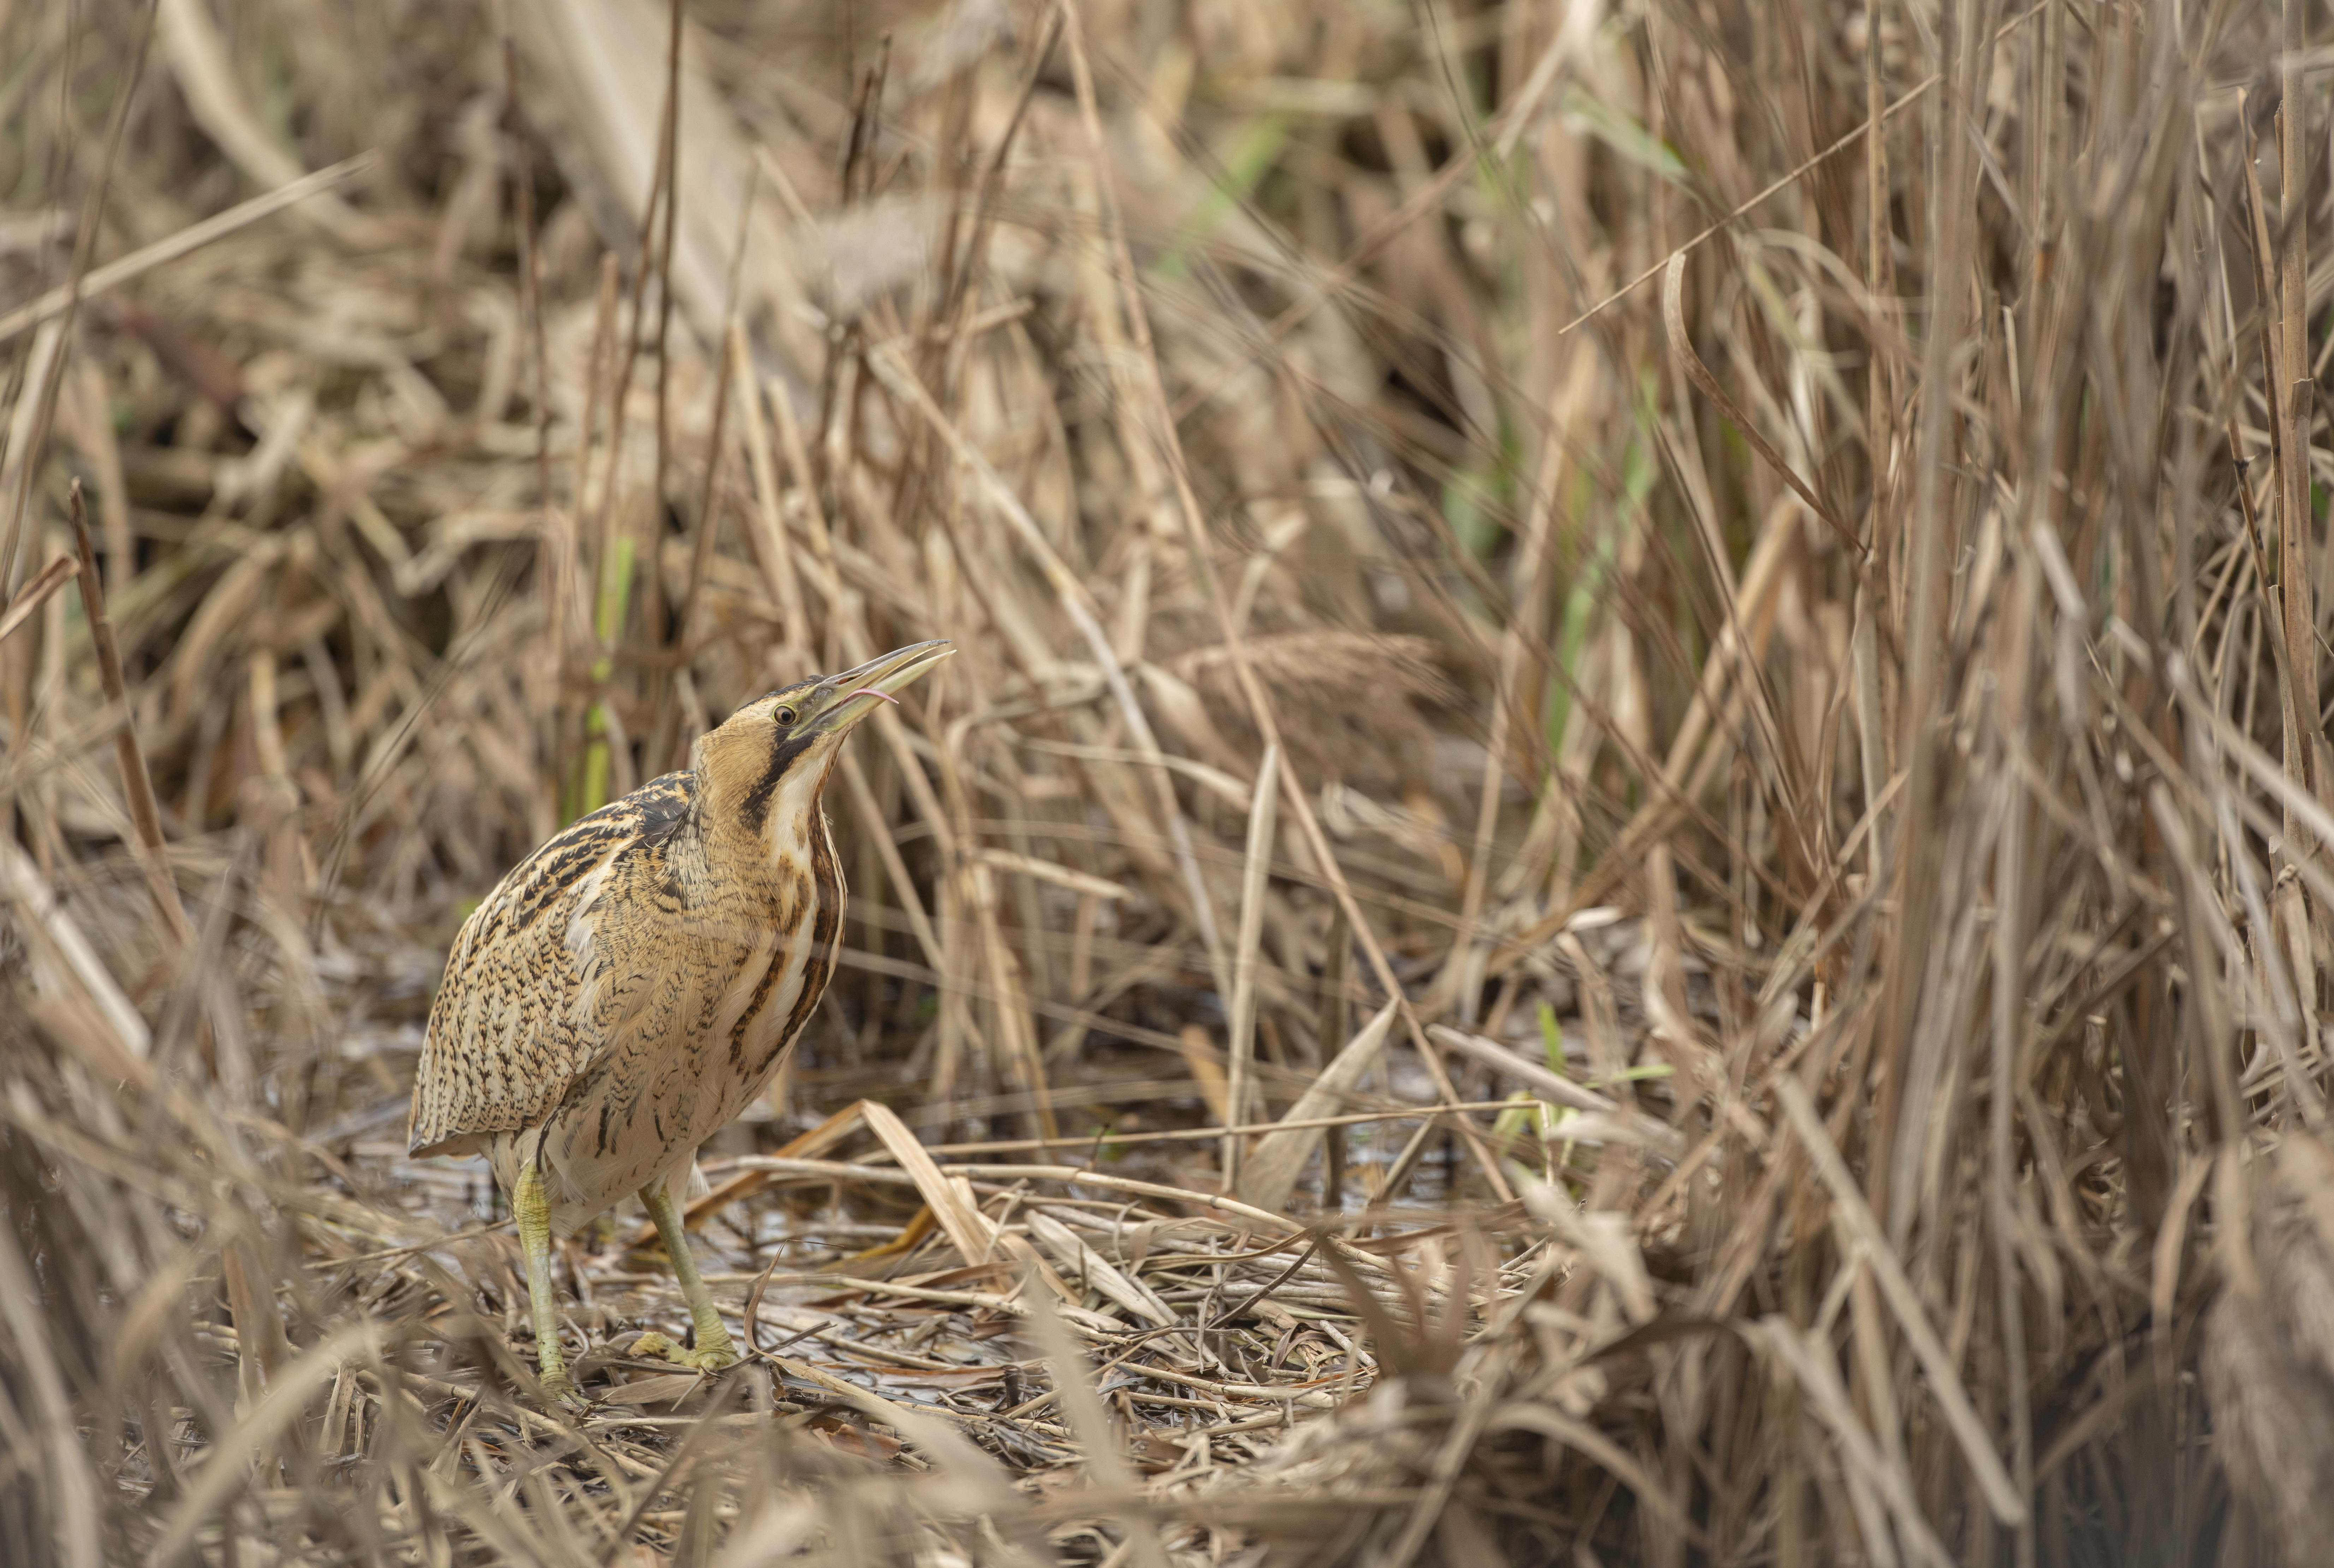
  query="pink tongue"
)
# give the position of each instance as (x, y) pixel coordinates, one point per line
(870, 691)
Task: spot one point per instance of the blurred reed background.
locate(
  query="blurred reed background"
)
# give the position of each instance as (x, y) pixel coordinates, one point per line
(1504, 556)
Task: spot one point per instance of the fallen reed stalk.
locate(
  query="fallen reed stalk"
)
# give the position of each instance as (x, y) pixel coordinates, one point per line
(137, 782)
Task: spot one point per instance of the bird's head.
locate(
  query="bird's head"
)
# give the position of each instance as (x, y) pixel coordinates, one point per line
(767, 763)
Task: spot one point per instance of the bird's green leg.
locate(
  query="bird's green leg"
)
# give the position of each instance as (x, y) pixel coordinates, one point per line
(713, 1350)
(533, 1211)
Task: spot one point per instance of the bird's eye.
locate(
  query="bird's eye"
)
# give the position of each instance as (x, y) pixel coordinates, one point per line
(785, 716)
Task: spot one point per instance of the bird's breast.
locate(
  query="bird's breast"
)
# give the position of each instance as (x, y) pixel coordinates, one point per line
(698, 1010)
(806, 919)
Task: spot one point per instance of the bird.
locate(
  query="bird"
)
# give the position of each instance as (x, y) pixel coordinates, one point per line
(630, 987)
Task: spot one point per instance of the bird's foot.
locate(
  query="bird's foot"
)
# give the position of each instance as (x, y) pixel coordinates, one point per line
(561, 1389)
(559, 1386)
(655, 1346)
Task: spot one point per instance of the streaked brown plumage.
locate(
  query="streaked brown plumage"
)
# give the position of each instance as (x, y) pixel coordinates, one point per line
(631, 986)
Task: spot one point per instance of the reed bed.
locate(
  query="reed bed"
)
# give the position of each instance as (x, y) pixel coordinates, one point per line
(1624, 863)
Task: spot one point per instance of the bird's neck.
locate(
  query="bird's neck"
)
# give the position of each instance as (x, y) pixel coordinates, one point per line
(792, 836)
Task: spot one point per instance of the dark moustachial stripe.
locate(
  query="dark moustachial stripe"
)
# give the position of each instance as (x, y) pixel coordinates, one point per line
(757, 810)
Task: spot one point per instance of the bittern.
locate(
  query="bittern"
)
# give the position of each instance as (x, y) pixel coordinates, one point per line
(635, 983)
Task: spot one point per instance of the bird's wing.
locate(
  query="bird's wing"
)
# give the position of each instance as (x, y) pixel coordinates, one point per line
(521, 1015)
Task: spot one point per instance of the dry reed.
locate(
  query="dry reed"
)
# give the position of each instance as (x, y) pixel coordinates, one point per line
(1626, 863)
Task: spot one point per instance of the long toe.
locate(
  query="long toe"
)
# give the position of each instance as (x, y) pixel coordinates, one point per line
(654, 1346)
(562, 1390)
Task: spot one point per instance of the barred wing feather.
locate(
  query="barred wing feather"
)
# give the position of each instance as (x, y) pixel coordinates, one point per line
(523, 1012)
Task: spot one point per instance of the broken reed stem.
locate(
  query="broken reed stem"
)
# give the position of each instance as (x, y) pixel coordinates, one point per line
(769, 520)
(607, 625)
(1254, 880)
(610, 526)
(137, 782)
(35, 594)
(557, 541)
(670, 152)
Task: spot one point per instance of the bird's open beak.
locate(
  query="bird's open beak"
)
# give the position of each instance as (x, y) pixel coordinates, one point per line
(858, 692)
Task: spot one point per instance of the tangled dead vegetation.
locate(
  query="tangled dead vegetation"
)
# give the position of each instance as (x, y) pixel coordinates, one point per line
(1626, 863)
